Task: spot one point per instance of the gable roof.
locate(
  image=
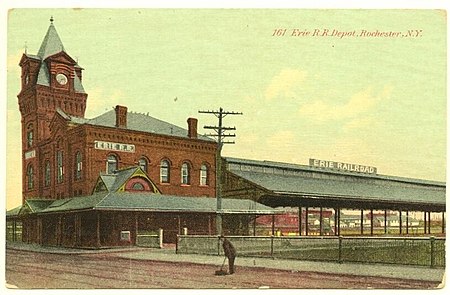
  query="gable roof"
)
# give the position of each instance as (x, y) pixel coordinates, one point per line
(117, 180)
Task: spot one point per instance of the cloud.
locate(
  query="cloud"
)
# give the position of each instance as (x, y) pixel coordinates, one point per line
(284, 83)
(358, 123)
(100, 100)
(358, 104)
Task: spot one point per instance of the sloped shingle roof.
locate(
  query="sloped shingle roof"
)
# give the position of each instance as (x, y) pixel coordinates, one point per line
(14, 211)
(51, 44)
(137, 122)
(43, 75)
(37, 205)
(154, 202)
(114, 181)
(77, 84)
(73, 204)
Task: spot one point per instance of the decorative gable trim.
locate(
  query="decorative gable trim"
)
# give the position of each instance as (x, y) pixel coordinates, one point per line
(100, 186)
(139, 174)
(61, 57)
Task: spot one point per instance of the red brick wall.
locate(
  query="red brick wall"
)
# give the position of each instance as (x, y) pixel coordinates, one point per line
(153, 147)
(38, 104)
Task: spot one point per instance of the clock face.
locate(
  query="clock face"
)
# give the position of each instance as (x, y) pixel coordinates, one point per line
(61, 79)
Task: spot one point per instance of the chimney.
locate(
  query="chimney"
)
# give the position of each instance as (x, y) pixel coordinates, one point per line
(192, 127)
(121, 116)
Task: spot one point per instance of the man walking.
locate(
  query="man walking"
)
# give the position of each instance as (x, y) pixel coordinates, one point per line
(230, 253)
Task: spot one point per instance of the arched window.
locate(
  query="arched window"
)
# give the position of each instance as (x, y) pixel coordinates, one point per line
(164, 171)
(30, 177)
(185, 169)
(47, 171)
(138, 186)
(59, 167)
(143, 164)
(111, 164)
(78, 165)
(204, 180)
(29, 135)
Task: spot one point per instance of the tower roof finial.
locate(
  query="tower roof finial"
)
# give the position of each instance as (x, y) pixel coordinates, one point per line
(51, 20)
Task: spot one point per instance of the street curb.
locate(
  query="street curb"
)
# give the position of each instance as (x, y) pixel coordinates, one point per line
(278, 269)
(117, 253)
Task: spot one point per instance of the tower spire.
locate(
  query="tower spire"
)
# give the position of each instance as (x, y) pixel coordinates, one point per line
(52, 43)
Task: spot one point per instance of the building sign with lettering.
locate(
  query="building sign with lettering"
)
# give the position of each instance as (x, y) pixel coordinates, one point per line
(342, 166)
(30, 154)
(114, 146)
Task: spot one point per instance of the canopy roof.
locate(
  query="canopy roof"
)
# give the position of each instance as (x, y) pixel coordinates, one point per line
(281, 182)
(132, 201)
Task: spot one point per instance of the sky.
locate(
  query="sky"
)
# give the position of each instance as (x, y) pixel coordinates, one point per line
(372, 100)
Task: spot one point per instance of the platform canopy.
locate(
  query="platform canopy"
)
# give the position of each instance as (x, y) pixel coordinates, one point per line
(145, 202)
(281, 184)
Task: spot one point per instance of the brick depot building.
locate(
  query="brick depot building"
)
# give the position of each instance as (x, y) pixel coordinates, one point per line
(78, 187)
(112, 179)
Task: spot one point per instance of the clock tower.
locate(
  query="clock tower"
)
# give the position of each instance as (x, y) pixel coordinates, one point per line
(50, 80)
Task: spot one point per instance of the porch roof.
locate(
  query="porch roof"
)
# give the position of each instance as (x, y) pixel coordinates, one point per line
(13, 212)
(131, 201)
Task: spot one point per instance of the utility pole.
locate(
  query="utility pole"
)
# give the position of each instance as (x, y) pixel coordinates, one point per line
(220, 132)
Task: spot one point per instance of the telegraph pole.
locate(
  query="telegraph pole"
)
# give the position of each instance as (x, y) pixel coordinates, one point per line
(220, 132)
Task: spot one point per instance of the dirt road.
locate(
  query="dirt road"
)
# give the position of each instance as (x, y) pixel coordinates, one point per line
(91, 271)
